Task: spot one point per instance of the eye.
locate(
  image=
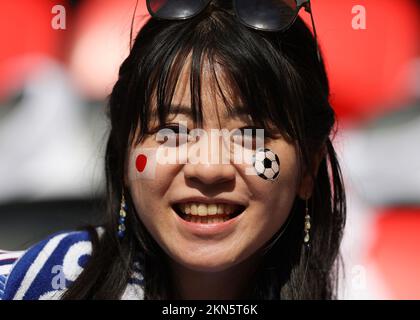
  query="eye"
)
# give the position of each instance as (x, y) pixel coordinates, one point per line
(172, 135)
(249, 137)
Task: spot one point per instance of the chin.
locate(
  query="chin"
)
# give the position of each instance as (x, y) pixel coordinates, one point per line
(200, 265)
(208, 261)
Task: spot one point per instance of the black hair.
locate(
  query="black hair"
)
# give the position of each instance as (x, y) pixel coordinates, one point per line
(285, 88)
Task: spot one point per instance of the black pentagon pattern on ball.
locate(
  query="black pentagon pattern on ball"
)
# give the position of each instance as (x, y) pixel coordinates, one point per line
(266, 164)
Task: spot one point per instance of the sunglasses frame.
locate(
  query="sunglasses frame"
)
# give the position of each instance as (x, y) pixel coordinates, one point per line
(156, 16)
(299, 5)
(306, 4)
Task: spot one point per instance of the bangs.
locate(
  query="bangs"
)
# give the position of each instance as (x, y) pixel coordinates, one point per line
(242, 66)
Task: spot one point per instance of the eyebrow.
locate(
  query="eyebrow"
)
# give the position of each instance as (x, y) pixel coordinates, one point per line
(236, 111)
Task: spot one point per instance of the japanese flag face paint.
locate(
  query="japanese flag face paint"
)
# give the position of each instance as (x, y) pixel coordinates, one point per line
(142, 163)
(266, 164)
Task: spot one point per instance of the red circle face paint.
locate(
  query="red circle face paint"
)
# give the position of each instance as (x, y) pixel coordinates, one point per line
(141, 162)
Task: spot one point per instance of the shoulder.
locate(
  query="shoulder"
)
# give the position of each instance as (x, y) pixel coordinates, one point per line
(45, 270)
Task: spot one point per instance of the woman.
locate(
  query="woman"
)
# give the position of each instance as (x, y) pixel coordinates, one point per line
(209, 229)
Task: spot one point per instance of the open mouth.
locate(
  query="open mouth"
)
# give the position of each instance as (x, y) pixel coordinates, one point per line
(207, 213)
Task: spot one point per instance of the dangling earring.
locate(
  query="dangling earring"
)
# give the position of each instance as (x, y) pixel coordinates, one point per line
(307, 227)
(122, 215)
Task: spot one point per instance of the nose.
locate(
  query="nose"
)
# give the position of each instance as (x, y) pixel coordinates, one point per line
(208, 173)
(215, 166)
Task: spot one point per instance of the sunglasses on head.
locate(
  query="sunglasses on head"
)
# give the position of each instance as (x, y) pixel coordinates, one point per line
(263, 15)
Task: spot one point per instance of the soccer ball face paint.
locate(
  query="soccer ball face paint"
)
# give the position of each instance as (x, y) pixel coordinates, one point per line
(266, 164)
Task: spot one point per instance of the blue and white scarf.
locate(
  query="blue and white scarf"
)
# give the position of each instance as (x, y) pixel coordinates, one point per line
(47, 269)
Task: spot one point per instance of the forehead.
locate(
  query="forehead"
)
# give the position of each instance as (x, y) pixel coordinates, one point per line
(219, 96)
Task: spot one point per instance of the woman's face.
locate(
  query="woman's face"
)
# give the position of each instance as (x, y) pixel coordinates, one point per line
(179, 203)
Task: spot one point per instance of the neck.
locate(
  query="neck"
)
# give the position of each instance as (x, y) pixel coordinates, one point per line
(231, 284)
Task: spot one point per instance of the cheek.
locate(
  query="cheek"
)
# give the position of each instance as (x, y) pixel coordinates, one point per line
(273, 200)
(146, 177)
(150, 191)
(147, 199)
(284, 168)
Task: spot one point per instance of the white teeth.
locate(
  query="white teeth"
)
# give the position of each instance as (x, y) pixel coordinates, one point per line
(212, 209)
(203, 209)
(193, 209)
(220, 209)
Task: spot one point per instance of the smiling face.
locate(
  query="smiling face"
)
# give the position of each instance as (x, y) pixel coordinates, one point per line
(212, 216)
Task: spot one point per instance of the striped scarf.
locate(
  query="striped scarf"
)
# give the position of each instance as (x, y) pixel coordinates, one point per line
(46, 270)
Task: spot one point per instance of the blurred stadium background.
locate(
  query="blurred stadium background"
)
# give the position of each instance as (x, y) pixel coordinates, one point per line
(53, 90)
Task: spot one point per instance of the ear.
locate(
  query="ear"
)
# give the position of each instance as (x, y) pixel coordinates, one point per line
(306, 186)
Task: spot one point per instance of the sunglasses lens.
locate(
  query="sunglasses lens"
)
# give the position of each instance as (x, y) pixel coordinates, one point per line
(273, 15)
(175, 9)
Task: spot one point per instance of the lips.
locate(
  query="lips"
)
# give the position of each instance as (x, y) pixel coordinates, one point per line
(206, 213)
